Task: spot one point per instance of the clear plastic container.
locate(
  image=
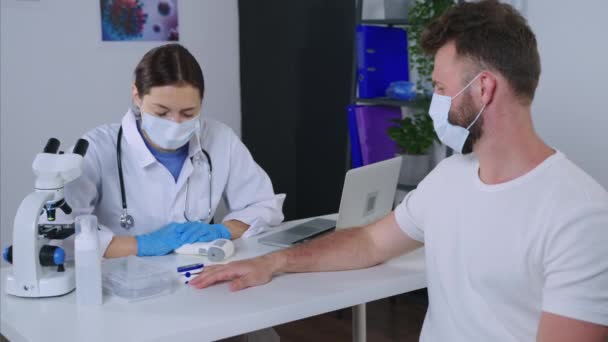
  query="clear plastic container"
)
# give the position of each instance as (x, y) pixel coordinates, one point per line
(88, 261)
(134, 279)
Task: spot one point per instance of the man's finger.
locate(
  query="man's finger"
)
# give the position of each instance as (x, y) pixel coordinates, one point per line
(218, 277)
(207, 272)
(209, 279)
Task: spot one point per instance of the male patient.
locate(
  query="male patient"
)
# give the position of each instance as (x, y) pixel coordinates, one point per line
(516, 235)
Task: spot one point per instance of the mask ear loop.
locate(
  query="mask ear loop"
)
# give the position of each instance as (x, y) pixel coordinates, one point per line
(477, 117)
(466, 86)
(482, 108)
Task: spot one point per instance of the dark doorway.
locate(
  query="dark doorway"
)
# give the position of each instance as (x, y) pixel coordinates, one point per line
(295, 78)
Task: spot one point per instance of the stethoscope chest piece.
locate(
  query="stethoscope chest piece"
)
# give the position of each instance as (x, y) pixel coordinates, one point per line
(126, 220)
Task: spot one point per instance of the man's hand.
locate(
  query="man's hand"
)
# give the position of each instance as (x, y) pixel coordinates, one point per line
(241, 274)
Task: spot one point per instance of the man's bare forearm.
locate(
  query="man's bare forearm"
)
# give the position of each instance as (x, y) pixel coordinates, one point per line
(341, 250)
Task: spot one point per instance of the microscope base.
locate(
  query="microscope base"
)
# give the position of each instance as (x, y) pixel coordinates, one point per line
(51, 284)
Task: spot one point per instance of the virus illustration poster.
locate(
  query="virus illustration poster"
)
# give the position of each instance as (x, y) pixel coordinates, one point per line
(143, 20)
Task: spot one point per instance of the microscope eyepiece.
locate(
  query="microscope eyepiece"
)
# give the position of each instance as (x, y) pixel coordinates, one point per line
(81, 147)
(51, 146)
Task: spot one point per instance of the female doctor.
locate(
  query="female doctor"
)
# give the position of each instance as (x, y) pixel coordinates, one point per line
(154, 181)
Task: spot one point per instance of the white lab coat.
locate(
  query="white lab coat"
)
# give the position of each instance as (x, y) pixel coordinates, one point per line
(154, 198)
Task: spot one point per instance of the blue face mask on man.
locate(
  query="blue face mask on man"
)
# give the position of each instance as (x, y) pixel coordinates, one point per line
(451, 135)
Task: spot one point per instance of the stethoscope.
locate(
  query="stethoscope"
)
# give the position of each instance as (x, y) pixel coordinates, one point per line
(126, 220)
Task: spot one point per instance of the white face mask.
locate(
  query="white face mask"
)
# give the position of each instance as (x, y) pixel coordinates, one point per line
(168, 134)
(449, 134)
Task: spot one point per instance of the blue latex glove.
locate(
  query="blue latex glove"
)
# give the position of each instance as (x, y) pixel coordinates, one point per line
(160, 242)
(191, 232)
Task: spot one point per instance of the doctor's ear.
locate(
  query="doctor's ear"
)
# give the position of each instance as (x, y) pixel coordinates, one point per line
(135, 95)
(487, 87)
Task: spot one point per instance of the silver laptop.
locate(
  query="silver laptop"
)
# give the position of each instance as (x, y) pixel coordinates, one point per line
(367, 196)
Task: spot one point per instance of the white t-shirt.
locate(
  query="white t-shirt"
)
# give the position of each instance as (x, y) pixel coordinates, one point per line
(499, 255)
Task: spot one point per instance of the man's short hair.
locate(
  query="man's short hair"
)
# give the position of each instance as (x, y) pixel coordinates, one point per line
(493, 36)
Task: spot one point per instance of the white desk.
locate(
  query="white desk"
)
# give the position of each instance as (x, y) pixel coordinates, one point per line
(214, 313)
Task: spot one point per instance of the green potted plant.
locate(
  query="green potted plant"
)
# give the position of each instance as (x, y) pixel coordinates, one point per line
(415, 137)
(414, 134)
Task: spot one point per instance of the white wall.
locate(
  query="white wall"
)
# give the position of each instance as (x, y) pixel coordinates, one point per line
(58, 78)
(570, 109)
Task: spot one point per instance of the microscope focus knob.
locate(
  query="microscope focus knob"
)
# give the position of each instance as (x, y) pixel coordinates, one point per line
(51, 255)
(7, 254)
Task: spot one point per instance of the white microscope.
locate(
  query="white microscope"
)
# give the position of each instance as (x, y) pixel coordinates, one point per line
(39, 269)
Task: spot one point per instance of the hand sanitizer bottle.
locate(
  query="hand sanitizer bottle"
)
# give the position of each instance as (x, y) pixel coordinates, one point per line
(88, 261)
